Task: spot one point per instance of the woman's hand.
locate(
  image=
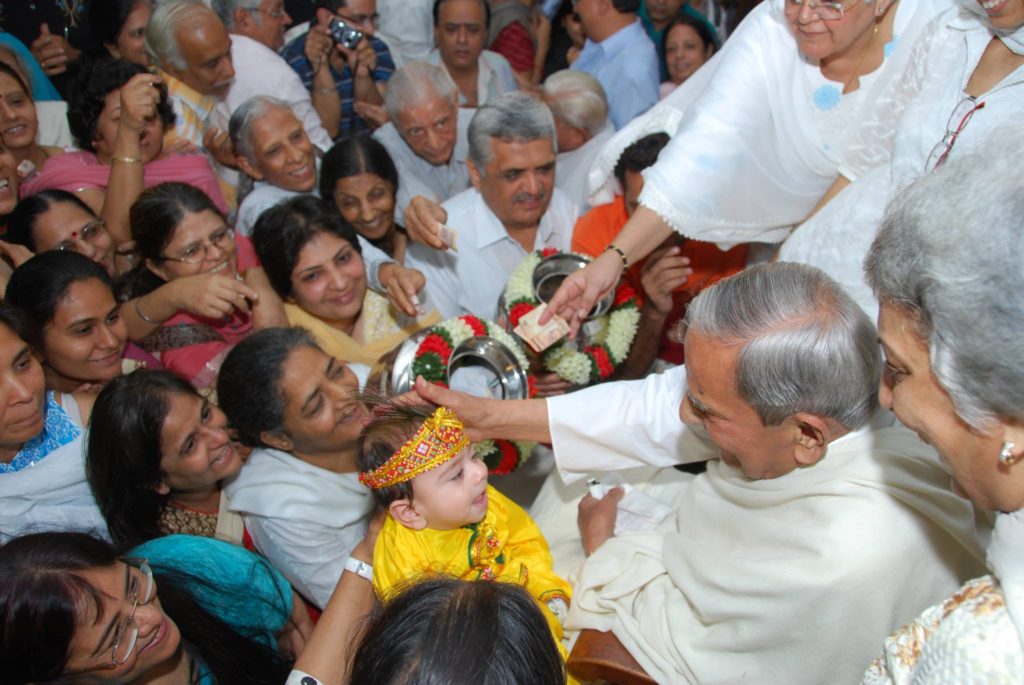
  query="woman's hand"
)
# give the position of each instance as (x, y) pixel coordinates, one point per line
(402, 285)
(293, 637)
(211, 295)
(664, 271)
(423, 219)
(15, 254)
(139, 98)
(581, 290)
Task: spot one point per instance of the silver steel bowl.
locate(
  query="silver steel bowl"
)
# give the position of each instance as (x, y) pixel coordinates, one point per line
(509, 380)
(399, 378)
(550, 273)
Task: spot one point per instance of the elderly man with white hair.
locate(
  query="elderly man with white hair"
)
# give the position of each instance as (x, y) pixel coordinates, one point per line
(512, 209)
(819, 524)
(427, 135)
(275, 152)
(580, 106)
(257, 33)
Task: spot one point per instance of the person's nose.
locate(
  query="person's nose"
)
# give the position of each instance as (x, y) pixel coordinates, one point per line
(532, 183)
(227, 68)
(885, 394)
(462, 35)
(480, 474)
(109, 338)
(336, 279)
(433, 140)
(148, 618)
(21, 392)
(6, 111)
(806, 14)
(366, 212)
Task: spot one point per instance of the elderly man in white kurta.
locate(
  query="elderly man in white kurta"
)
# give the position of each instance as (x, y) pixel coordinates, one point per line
(427, 135)
(818, 525)
(512, 209)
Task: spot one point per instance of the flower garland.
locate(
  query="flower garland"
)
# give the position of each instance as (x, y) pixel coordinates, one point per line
(431, 362)
(598, 360)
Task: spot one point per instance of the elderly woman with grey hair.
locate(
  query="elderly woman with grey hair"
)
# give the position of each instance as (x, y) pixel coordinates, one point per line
(273, 149)
(809, 510)
(947, 270)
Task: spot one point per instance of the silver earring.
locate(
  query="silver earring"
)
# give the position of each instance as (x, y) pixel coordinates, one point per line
(1006, 455)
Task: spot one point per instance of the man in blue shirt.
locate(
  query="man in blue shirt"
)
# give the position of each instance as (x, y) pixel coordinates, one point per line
(619, 54)
(338, 77)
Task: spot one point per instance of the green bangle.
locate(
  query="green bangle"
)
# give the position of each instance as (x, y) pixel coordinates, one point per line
(615, 248)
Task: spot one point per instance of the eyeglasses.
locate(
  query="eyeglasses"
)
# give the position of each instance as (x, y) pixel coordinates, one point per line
(362, 19)
(198, 252)
(961, 114)
(829, 11)
(140, 591)
(279, 13)
(86, 234)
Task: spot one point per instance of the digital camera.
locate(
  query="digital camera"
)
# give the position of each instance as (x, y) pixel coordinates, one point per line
(343, 34)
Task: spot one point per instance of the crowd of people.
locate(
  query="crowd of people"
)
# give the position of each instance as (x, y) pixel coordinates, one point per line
(797, 456)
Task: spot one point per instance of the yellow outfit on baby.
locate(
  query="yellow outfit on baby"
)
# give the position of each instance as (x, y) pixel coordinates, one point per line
(506, 546)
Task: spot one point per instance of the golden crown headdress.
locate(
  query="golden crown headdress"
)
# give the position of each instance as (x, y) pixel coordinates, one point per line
(438, 440)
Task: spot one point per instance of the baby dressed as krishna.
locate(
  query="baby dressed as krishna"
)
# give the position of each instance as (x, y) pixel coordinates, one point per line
(443, 517)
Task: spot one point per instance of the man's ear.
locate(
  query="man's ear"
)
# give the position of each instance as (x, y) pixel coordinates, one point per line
(403, 511)
(243, 19)
(277, 441)
(812, 438)
(474, 173)
(248, 168)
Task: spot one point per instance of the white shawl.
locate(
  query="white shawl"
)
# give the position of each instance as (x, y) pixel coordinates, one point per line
(746, 162)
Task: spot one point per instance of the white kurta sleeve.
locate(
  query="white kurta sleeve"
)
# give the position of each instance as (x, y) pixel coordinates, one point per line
(443, 287)
(622, 425)
(373, 259)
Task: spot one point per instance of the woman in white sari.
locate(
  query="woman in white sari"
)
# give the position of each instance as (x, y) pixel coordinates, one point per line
(966, 80)
(761, 131)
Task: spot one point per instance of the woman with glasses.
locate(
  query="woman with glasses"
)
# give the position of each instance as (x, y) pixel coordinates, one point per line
(177, 610)
(967, 82)
(180, 233)
(118, 112)
(760, 133)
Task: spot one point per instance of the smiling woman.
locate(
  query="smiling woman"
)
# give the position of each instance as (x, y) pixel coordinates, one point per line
(179, 611)
(299, 492)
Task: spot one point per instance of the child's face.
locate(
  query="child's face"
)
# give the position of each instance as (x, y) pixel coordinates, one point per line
(452, 495)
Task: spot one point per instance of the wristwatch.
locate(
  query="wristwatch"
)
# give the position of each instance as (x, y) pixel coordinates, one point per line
(360, 568)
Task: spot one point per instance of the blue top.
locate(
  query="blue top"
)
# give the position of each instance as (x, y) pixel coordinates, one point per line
(230, 582)
(626, 64)
(58, 430)
(295, 54)
(657, 36)
(40, 84)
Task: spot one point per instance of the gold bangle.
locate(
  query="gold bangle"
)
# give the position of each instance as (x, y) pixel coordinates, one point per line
(615, 248)
(126, 160)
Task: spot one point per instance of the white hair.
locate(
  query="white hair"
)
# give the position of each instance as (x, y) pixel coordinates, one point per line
(247, 114)
(950, 255)
(416, 83)
(162, 31)
(578, 99)
(513, 117)
(805, 345)
(226, 9)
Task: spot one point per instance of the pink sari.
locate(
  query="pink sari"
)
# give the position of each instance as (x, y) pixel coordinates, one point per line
(77, 171)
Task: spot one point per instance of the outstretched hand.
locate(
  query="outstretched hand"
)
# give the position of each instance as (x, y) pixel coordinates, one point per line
(472, 411)
(581, 290)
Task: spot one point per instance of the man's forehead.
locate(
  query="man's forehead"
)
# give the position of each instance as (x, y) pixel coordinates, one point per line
(462, 10)
(204, 34)
(521, 154)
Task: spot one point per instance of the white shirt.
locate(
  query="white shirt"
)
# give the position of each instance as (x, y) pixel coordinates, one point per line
(494, 76)
(264, 196)
(575, 165)
(304, 519)
(471, 280)
(261, 71)
(417, 176)
(792, 579)
(407, 26)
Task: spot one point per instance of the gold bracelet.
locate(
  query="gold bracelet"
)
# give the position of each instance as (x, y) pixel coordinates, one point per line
(126, 160)
(326, 91)
(615, 248)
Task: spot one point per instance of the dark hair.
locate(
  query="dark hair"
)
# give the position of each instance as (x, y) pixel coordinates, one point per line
(352, 156)
(283, 230)
(154, 217)
(41, 601)
(640, 155)
(700, 25)
(6, 69)
(487, 12)
(17, 321)
(331, 6)
(88, 93)
(626, 6)
(393, 424)
(124, 452)
(457, 632)
(38, 286)
(21, 223)
(249, 385)
(107, 18)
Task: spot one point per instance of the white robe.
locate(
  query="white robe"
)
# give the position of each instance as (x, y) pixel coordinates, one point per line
(794, 579)
(748, 158)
